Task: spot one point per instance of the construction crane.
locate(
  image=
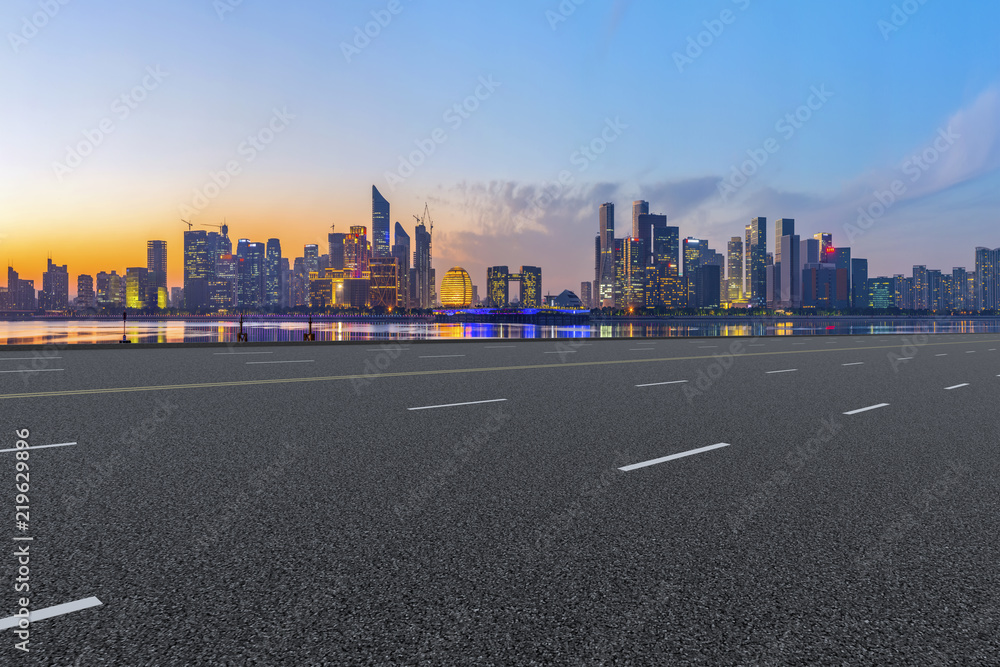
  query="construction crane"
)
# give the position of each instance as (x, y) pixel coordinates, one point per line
(224, 227)
(188, 223)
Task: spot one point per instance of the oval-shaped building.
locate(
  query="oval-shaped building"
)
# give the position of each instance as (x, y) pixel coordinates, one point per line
(456, 288)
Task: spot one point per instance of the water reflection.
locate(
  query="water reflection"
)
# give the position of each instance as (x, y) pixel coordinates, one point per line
(58, 332)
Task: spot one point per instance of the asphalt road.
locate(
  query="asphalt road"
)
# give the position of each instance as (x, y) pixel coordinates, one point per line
(287, 505)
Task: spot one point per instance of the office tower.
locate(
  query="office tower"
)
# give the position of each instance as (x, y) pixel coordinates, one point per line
(881, 293)
(102, 289)
(421, 283)
(356, 253)
(310, 255)
(401, 251)
(666, 243)
(475, 296)
(757, 258)
(920, 301)
(860, 290)
(987, 279)
(136, 287)
(197, 270)
(85, 297)
(456, 289)
(222, 287)
(20, 293)
(383, 283)
(335, 243)
(55, 287)
(598, 258)
(782, 227)
(648, 224)
(633, 272)
(156, 266)
(842, 260)
(530, 284)
(708, 280)
(825, 245)
(819, 285)
(694, 251)
(960, 294)
(250, 276)
(639, 208)
(585, 293)
(789, 277)
(286, 284)
(734, 285)
(272, 274)
(177, 298)
(497, 285)
(380, 224)
(606, 272)
(300, 284)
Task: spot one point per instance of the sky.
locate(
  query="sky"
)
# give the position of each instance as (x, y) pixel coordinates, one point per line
(513, 120)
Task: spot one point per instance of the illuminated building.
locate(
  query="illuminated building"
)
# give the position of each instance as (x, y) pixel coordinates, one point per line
(605, 277)
(383, 275)
(272, 273)
(735, 267)
(310, 258)
(757, 259)
(987, 279)
(585, 293)
(531, 286)
(335, 243)
(881, 294)
(250, 276)
(197, 270)
(55, 287)
(634, 272)
(380, 225)
(859, 283)
(497, 286)
(156, 264)
(920, 301)
(85, 297)
(666, 242)
(422, 284)
(136, 287)
(320, 291)
(356, 293)
(456, 288)
(401, 251)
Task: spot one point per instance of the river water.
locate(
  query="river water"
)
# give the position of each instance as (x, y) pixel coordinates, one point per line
(62, 332)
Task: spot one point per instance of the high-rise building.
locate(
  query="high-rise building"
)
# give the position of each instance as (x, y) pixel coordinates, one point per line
(757, 258)
(335, 242)
(55, 287)
(585, 293)
(380, 224)
(987, 279)
(530, 280)
(606, 272)
(198, 267)
(633, 280)
(734, 249)
(310, 255)
(920, 294)
(694, 252)
(860, 289)
(356, 253)
(497, 286)
(782, 227)
(746, 262)
(666, 243)
(85, 297)
(401, 251)
(250, 276)
(960, 294)
(881, 293)
(156, 266)
(639, 208)
(383, 283)
(825, 243)
(109, 290)
(788, 278)
(422, 291)
(136, 287)
(272, 274)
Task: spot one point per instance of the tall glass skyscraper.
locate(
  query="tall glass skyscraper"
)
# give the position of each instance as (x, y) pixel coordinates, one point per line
(272, 274)
(606, 272)
(757, 257)
(380, 225)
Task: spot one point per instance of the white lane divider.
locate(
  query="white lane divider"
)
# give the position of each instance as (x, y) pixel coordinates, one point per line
(657, 384)
(49, 612)
(664, 459)
(957, 386)
(455, 405)
(787, 370)
(62, 444)
(870, 407)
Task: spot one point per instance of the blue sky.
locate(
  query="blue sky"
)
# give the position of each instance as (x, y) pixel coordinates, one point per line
(554, 86)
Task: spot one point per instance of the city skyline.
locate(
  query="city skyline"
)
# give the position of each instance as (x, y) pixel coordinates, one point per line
(817, 141)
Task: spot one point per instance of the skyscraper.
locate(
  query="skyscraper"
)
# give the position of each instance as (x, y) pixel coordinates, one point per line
(197, 270)
(156, 265)
(356, 253)
(310, 255)
(757, 257)
(85, 297)
(920, 300)
(639, 207)
(789, 277)
(136, 287)
(272, 274)
(497, 284)
(401, 251)
(987, 279)
(735, 267)
(250, 276)
(860, 291)
(380, 224)
(665, 243)
(606, 273)
(422, 268)
(55, 287)
(782, 227)
(530, 280)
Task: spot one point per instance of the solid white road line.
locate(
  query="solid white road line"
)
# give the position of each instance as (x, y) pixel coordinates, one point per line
(657, 384)
(943, 354)
(63, 444)
(563, 352)
(856, 363)
(904, 358)
(642, 349)
(35, 370)
(787, 370)
(497, 347)
(964, 384)
(233, 354)
(653, 462)
(442, 356)
(455, 405)
(291, 361)
(49, 612)
(870, 407)
(26, 358)
(705, 347)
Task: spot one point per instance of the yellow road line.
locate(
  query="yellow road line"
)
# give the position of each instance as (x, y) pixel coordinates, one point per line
(451, 371)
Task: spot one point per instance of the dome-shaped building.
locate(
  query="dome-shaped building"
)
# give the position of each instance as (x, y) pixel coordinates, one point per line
(456, 288)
